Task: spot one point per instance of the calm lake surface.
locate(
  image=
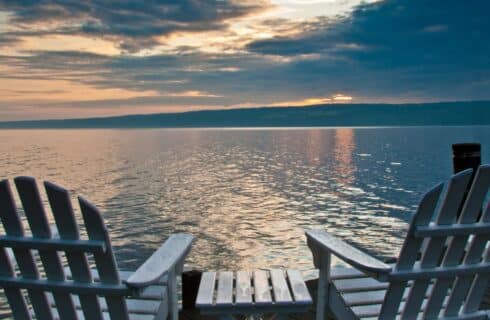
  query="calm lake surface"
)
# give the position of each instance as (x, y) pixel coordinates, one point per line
(246, 194)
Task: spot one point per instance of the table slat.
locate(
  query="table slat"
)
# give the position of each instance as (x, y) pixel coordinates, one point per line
(298, 286)
(205, 296)
(243, 288)
(262, 289)
(280, 287)
(225, 289)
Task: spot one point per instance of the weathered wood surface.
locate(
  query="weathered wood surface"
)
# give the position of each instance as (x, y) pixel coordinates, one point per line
(245, 292)
(443, 267)
(312, 284)
(168, 256)
(346, 252)
(52, 266)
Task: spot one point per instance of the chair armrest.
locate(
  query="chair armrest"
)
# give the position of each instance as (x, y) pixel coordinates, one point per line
(162, 261)
(353, 256)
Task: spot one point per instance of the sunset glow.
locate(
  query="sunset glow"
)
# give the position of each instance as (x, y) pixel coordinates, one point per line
(96, 58)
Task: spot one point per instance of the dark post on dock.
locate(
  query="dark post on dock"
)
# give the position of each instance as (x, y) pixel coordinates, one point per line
(468, 156)
(190, 286)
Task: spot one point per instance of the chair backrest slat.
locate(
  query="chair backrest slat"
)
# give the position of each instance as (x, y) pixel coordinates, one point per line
(410, 251)
(432, 253)
(13, 226)
(14, 296)
(106, 263)
(462, 285)
(51, 294)
(457, 244)
(39, 225)
(61, 207)
(479, 286)
(451, 250)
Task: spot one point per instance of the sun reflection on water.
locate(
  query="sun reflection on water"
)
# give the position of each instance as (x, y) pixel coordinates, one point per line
(247, 195)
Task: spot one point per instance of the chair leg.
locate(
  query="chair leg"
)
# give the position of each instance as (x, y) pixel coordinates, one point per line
(172, 296)
(323, 286)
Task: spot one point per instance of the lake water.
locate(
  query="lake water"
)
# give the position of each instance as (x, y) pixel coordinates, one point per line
(246, 194)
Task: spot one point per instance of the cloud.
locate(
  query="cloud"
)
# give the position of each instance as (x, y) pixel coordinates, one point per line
(426, 49)
(6, 40)
(133, 24)
(390, 51)
(341, 98)
(436, 28)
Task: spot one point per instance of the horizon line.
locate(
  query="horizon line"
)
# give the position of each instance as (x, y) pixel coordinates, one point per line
(244, 108)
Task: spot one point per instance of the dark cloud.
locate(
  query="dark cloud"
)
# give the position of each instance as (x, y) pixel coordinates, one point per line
(134, 24)
(391, 51)
(428, 47)
(6, 40)
(403, 31)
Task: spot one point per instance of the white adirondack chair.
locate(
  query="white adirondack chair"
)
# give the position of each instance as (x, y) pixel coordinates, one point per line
(46, 290)
(442, 270)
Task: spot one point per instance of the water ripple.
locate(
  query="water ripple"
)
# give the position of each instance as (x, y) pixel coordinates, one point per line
(246, 195)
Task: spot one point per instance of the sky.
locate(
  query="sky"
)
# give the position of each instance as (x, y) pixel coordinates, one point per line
(72, 59)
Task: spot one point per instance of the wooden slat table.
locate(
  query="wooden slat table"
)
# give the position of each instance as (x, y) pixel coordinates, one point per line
(244, 292)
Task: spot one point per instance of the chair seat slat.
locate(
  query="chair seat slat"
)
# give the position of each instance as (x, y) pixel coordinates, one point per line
(359, 284)
(374, 309)
(141, 306)
(106, 316)
(156, 292)
(337, 273)
(375, 296)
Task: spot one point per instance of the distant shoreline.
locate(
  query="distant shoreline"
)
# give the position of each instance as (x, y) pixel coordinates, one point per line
(473, 113)
(248, 128)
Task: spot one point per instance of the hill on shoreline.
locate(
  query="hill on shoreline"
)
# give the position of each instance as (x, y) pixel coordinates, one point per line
(443, 113)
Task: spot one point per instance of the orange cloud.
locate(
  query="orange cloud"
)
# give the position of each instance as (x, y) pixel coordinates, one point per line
(341, 98)
(17, 90)
(191, 93)
(313, 101)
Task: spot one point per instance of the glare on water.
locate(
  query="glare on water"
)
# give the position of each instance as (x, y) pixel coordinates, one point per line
(247, 195)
